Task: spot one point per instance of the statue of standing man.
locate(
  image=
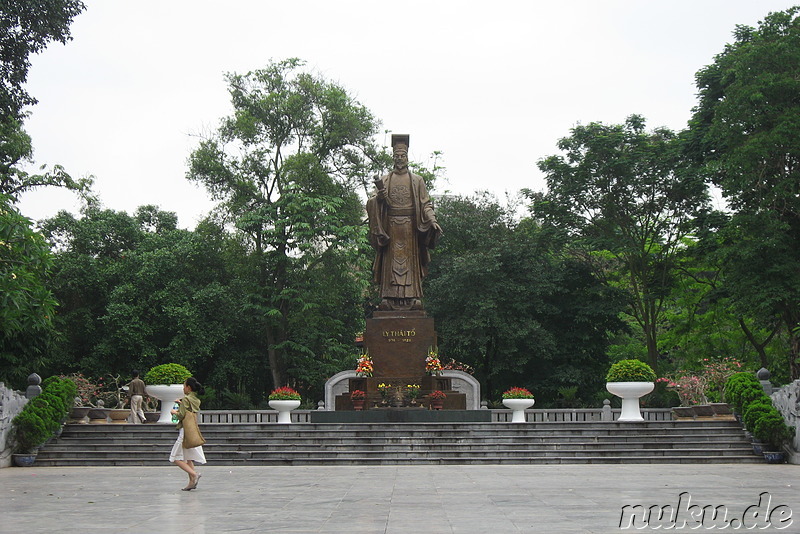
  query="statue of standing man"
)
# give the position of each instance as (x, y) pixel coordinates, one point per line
(402, 229)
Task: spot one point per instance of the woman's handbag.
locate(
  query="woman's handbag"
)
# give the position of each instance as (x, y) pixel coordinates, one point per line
(191, 432)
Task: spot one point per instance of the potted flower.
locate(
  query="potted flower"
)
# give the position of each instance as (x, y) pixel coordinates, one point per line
(433, 366)
(165, 382)
(437, 399)
(358, 398)
(518, 400)
(412, 391)
(284, 399)
(384, 390)
(630, 380)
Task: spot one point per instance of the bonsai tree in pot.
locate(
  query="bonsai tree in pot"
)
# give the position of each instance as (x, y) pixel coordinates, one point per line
(630, 380)
(165, 382)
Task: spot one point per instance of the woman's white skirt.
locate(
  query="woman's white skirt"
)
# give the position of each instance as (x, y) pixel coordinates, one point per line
(179, 453)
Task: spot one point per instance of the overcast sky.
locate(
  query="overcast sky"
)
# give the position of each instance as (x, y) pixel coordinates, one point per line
(493, 85)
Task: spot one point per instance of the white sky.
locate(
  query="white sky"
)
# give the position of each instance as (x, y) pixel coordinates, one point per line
(493, 85)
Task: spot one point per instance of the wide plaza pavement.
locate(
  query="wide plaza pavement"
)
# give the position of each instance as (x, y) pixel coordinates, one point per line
(415, 499)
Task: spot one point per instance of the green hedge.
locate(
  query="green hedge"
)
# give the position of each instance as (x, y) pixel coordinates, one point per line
(42, 416)
(743, 391)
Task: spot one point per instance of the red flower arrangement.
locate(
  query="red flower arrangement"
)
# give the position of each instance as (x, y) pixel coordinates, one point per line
(517, 393)
(284, 393)
(437, 395)
(357, 394)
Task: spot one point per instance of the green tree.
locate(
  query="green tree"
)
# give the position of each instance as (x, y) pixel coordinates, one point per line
(627, 197)
(26, 27)
(285, 168)
(745, 129)
(26, 304)
(510, 305)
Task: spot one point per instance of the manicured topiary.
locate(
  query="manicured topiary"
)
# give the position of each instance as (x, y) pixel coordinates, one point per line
(30, 431)
(772, 429)
(630, 371)
(168, 373)
(754, 411)
(41, 417)
(738, 383)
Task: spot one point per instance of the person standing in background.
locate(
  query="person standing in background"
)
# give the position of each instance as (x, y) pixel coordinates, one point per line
(136, 397)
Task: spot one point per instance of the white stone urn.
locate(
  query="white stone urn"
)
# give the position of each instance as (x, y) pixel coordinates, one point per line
(518, 407)
(284, 408)
(630, 392)
(167, 394)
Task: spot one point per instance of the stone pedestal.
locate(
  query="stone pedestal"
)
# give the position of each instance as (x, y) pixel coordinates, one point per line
(398, 343)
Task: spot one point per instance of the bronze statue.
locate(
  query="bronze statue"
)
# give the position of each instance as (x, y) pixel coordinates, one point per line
(402, 229)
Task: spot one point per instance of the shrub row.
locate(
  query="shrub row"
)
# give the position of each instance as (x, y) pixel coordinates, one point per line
(744, 393)
(43, 415)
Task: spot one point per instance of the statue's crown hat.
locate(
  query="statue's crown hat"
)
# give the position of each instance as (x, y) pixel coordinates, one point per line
(400, 139)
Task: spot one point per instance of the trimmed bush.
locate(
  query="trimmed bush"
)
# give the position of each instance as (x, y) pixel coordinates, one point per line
(771, 428)
(168, 373)
(754, 411)
(631, 371)
(42, 416)
(736, 384)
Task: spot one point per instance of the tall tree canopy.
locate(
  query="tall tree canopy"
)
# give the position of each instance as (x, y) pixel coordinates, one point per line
(285, 168)
(26, 27)
(26, 304)
(746, 129)
(509, 304)
(632, 194)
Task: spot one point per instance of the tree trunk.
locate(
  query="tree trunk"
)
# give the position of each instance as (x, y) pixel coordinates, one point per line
(274, 364)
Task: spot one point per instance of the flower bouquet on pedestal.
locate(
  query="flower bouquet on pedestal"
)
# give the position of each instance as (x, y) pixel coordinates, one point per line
(364, 366)
(433, 366)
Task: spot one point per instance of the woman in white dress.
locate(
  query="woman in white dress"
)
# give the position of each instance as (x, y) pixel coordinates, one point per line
(186, 458)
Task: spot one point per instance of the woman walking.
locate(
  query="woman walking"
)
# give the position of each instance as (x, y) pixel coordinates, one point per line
(186, 458)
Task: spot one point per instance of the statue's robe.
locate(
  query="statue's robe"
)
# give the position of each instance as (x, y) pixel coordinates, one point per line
(401, 232)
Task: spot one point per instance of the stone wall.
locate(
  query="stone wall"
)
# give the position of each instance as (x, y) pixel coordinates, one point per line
(11, 403)
(787, 401)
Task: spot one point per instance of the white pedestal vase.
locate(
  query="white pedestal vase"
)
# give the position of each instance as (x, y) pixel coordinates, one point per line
(518, 407)
(630, 392)
(284, 408)
(167, 394)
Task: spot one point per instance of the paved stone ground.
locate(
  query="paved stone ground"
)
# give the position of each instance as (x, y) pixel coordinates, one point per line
(391, 499)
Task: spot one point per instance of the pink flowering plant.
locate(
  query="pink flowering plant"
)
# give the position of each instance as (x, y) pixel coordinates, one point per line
(700, 387)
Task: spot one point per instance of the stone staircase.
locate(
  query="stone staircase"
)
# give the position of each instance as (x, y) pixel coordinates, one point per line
(410, 443)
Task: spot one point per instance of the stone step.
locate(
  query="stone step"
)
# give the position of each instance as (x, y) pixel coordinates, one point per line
(376, 444)
(476, 460)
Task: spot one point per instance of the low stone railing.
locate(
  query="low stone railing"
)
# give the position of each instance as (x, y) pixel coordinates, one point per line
(580, 415)
(251, 416)
(537, 415)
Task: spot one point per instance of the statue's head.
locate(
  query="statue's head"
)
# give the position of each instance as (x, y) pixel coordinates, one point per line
(400, 151)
